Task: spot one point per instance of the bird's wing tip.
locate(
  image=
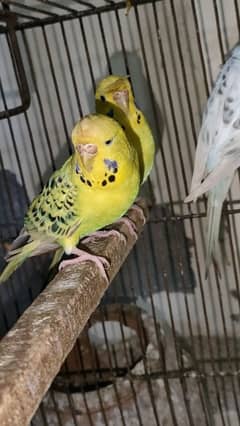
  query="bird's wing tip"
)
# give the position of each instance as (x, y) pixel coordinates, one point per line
(188, 199)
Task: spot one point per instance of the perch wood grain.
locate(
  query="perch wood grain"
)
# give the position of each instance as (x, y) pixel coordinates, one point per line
(32, 353)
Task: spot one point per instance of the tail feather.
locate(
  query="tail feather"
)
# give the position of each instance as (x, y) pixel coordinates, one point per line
(15, 260)
(215, 202)
(57, 257)
(22, 239)
(214, 219)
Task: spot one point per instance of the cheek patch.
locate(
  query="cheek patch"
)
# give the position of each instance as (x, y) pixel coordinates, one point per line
(111, 164)
(77, 169)
(110, 113)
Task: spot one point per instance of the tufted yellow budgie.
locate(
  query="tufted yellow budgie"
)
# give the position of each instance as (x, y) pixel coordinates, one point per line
(94, 188)
(114, 97)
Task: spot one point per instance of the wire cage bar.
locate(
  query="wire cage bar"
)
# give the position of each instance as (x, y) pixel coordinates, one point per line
(176, 362)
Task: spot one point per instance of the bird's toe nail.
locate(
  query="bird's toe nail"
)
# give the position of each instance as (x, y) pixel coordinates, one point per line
(106, 264)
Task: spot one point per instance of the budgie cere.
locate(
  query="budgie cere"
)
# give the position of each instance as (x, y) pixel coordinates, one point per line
(114, 97)
(94, 188)
(218, 149)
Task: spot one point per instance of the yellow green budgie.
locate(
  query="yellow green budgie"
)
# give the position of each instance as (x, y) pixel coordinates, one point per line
(94, 188)
(114, 97)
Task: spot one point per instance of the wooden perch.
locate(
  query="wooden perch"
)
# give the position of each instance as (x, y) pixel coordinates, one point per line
(32, 353)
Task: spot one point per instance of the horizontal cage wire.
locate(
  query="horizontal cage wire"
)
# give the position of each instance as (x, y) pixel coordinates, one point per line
(163, 346)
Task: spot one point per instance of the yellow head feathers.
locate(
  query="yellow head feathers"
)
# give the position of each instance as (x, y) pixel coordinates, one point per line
(101, 148)
(115, 90)
(97, 127)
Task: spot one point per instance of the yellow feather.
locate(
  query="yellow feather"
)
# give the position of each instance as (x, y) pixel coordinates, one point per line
(114, 97)
(94, 188)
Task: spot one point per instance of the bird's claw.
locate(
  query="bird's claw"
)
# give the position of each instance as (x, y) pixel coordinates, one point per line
(104, 261)
(140, 211)
(130, 225)
(82, 256)
(104, 234)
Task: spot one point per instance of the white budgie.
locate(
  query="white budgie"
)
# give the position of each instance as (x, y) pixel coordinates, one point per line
(218, 149)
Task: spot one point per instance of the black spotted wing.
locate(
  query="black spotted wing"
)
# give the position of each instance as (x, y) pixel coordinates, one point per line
(53, 212)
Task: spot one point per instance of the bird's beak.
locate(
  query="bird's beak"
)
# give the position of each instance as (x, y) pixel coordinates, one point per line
(121, 97)
(87, 153)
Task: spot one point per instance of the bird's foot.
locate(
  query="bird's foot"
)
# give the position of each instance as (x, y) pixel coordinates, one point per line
(130, 225)
(83, 256)
(140, 211)
(104, 234)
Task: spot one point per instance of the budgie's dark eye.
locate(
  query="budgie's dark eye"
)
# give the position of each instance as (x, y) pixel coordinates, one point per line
(109, 141)
(103, 98)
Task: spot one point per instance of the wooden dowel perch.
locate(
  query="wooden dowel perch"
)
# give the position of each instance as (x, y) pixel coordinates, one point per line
(32, 353)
